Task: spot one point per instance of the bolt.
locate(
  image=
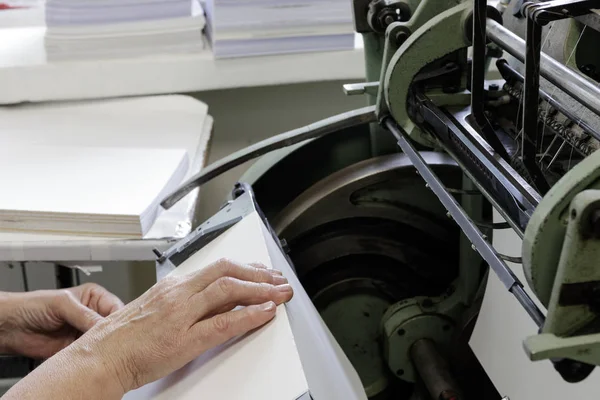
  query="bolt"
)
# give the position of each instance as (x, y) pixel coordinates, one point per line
(473, 247)
(401, 38)
(449, 215)
(427, 186)
(157, 253)
(388, 20)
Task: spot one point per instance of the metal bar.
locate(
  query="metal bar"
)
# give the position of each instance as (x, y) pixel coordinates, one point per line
(434, 370)
(564, 78)
(509, 72)
(531, 100)
(512, 224)
(352, 89)
(479, 68)
(457, 133)
(318, 129)
(478, 61)
(486, 250)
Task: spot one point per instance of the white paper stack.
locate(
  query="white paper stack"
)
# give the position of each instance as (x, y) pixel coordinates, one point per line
(238, 28)
(96, 29)
(89, 191)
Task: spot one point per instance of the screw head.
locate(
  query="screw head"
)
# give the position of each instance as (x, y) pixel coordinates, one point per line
(401, 38)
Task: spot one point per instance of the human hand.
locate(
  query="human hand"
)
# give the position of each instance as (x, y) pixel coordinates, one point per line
(41, 323)
(180, 318)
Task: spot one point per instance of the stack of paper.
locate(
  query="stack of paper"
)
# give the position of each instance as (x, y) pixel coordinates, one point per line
(78, 190)
(86, 29)
(258, 27)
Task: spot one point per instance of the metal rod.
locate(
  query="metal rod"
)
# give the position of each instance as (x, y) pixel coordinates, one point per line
(486, 250)
(479, 67)
(531, 100)
(478, 61)
(509, 72)
(318, 129)
(564, 78)
(434, 371)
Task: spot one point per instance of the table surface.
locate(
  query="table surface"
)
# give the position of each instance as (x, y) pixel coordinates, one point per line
(27, 76)
(158, 121)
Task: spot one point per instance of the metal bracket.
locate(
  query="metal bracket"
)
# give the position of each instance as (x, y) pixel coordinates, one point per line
(352, 89)
(244, 203)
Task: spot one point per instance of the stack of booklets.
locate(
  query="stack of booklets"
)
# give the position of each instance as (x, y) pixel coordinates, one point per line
(97, 29)
(238, 28)
(89, 191)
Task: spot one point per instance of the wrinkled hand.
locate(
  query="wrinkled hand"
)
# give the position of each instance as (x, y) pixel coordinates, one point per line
(180, 318)
(41, 323)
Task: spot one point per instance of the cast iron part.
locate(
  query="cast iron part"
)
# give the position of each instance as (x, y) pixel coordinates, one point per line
(382, 13)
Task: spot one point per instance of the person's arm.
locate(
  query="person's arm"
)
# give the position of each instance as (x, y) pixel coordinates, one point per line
(171, 324)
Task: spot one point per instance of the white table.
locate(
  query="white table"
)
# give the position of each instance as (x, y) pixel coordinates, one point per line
(27, 76)
(161, 121)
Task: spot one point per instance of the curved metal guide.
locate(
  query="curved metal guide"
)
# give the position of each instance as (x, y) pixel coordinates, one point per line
(318, 129)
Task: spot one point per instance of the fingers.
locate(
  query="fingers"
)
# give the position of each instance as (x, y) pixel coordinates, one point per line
(97, 298)
(245, 272)
(226, 293)
(219, 329)
(73, 312)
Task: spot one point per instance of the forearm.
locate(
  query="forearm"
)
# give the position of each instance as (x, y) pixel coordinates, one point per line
(73, 373)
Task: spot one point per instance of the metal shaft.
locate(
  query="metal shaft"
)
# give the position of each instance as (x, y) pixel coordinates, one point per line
(434, 371)
(564, 78)
(318, 129)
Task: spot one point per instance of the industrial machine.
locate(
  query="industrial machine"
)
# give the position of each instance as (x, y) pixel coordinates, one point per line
(386, 212)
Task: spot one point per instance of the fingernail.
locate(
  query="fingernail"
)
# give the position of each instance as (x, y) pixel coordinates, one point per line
(284, 288)
(268, 306)
(276, 272)
(279, 280)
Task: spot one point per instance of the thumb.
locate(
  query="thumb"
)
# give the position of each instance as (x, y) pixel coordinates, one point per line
(77, 315)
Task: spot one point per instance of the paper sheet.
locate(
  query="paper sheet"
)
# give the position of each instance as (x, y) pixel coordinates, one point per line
(171, 121)
(498, 341)
(264, 365)
(86, 190)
